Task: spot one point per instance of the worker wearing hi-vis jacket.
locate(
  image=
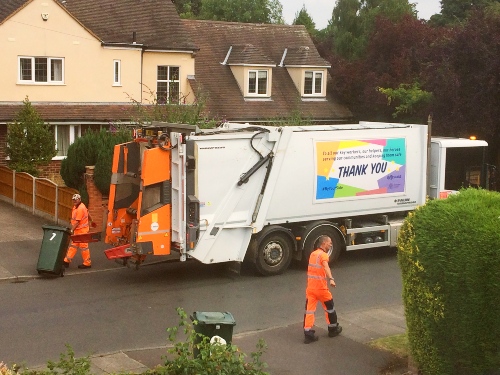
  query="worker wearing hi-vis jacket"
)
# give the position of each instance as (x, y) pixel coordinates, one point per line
(318, 273)
(79, 225)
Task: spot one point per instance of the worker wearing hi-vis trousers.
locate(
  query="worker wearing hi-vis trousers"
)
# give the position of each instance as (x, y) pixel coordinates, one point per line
(318, 273)
(79, 225)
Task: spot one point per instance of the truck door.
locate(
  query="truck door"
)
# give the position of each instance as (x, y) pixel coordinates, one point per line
(154, 206)
(140, 198)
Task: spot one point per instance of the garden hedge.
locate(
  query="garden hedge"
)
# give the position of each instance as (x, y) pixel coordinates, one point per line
(449, 254)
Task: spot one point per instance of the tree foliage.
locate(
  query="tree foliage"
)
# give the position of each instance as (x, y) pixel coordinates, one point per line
(246, 11)
(303, 18)
(353, 22)
(30, 142)
(93, 148)
(448, 254)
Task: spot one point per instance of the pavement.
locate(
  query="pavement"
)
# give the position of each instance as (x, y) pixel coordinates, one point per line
(286, 354)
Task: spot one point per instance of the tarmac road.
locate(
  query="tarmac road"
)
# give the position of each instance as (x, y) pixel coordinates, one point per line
(39, 316)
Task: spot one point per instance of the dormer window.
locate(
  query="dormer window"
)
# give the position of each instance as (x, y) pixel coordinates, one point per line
(313, 82)
(257, 82)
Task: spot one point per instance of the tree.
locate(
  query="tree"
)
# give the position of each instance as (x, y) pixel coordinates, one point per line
(407, 100)
(395, 55)
(30, 141)
(303, 18)
(353, 21)
(93, 148)
(188, 8)
(247, 11)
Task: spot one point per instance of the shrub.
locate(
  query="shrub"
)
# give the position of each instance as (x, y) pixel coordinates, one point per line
(212, 359)
(93, 148)
(449, 254)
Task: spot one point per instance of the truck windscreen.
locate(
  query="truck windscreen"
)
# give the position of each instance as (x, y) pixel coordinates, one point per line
(464, 167)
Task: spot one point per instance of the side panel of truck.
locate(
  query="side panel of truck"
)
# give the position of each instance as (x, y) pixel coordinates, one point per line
(329, 174)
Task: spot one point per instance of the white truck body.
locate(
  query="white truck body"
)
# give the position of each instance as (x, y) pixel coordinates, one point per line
(266, 193)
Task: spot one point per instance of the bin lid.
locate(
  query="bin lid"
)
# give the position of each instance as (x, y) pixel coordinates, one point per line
(204, 317)
(56, 228)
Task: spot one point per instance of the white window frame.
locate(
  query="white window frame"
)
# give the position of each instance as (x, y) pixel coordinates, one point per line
(316, 91)
(117, 73)
(256, 93)
(32, 80)
(169, 80)
(74, 132)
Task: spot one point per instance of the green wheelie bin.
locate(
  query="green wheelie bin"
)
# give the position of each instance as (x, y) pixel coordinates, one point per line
(212, 324)
(53, 250)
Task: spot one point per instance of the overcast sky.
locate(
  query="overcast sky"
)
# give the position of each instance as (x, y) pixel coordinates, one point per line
(321, 10)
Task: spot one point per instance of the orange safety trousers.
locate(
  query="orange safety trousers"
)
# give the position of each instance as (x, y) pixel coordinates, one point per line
(313, 296)
(84, 249)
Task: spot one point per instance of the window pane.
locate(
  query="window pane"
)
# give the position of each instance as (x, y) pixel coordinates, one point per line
(308, 82)
(174, 73)
(56, 70)
(318, 78)
(252, 82)
(162, 92)
(174, 92)
(117, 71)
(262, 84)
(62, 140)
(163, 73)
(41, 69)
(25, 66)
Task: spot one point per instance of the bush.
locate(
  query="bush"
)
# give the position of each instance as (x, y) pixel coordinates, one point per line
(450, 260)
(93, 148)
(212, 359)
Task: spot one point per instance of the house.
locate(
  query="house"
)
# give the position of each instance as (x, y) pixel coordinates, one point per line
(83, 63)
(256, 72)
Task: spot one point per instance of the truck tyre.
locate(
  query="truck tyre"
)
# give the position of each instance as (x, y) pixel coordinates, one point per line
(274, 254)
(314, 232)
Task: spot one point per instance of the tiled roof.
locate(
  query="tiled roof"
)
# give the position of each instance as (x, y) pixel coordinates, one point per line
(73, 112)
(225, 99)
(248, 54)
(304, 56)
(10, 6)
(155, 22)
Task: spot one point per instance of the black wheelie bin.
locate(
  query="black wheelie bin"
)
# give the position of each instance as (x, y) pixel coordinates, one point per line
(53, 250)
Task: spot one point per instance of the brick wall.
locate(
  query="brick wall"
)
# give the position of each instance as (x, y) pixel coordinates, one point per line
(3, 144)
(97, 208)
(52, 172)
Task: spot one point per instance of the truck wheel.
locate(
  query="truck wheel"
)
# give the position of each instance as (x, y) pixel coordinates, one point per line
(314, 232)
(273, 254)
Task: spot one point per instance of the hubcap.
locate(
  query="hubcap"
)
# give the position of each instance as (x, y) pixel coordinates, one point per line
(273, 253)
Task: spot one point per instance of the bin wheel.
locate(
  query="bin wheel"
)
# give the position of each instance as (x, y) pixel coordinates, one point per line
(39, 272)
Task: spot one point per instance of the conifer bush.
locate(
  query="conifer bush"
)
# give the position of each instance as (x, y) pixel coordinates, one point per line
(449, 254)
(93, 148)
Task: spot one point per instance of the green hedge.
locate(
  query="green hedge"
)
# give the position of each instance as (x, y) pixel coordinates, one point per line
(449, 254)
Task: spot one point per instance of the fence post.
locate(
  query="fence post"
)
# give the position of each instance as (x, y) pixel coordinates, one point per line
(14, 188)
(56, 211)
(33, 203)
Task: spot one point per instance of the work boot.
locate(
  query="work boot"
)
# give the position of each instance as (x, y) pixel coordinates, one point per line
(309, 336)
(334, 331)
(83, 266)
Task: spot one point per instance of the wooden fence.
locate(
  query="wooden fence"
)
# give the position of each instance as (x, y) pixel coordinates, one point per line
(39, 195)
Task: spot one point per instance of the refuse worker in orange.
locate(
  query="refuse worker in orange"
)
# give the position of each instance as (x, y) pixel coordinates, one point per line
(79, 225)
(318, 274)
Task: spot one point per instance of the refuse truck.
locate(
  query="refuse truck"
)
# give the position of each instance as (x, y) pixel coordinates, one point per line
(265, 194)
